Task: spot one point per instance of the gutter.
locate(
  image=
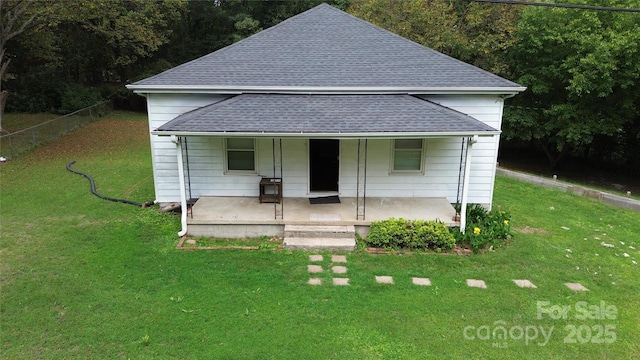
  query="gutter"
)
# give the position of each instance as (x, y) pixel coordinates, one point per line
(313, 90)
(407, 135)
(183, 196)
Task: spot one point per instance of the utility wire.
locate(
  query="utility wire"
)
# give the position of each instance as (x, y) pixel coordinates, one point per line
(570, 6)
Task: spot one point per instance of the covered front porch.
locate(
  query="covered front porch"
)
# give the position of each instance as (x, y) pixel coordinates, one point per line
(385, 155)
(247, 217)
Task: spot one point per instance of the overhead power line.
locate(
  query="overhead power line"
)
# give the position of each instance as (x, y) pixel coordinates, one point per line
(570, 6)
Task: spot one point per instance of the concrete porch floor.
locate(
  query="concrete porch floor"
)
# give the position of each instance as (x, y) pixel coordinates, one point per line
(245, 216)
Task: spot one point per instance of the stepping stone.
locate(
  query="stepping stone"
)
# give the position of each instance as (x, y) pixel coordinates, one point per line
(339, 269)
(315, 281)
(384, 279)
(576, 287)
(421, 281)
(476, 283)
(525, 284)
(338, 258)
(191, 242)
(341, 281)
(314, 258)
(314, 268)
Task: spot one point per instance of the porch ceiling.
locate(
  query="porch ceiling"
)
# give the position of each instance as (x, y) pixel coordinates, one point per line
(339, 116)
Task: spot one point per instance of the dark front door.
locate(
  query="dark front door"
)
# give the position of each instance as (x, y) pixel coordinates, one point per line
(323, 165)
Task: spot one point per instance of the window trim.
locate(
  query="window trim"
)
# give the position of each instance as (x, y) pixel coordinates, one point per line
(420, 171)
(227, 171)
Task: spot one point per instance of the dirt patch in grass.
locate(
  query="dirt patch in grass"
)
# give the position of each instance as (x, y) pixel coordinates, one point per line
(530, 230)
(20, 121)
(104, 136)
(108, 137)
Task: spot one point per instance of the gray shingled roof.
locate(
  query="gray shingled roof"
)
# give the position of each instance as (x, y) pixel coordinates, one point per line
(326, 47)
(306, 115)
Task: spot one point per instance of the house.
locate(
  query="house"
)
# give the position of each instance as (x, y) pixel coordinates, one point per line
(324, 106)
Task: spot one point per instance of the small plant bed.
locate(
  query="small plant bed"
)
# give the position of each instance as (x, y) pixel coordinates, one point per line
(484, 230)
(209, 243)
(401, 235)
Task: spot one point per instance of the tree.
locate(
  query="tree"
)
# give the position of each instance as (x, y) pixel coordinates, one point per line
(15, 17)
(432, 23)
(581, 69)
(477, 33)
(118, 33)
(85, 47)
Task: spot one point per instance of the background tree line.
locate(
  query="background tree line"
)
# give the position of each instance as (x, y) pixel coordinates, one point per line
(580, 67)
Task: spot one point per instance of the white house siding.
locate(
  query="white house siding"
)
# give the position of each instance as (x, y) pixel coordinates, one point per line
(439, 178)
(208, 178)
(161, 109)
(488, 109)
(441, 167)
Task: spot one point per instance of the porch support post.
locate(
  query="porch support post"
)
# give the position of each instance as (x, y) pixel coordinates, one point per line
(465, 183)
(183, 190)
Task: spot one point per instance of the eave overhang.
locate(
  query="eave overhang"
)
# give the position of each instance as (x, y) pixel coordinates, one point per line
(351, 90)
(329, 135)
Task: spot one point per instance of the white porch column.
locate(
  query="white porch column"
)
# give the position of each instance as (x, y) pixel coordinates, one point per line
(183, 190)
(465, 183)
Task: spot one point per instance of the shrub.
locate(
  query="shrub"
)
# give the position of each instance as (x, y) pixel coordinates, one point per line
(77, 97)
(484, 228)
(412, 235)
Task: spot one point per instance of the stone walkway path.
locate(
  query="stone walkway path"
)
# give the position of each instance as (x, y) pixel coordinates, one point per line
(334, 269)
(341, 280)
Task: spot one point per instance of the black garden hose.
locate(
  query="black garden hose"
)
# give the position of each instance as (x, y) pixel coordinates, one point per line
(94, 192)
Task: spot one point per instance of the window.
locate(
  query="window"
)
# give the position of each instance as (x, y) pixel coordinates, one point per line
(241, 155)
(407, 155)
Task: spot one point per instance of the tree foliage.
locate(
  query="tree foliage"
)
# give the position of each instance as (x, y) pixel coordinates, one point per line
(85, 42)
(478, 33)
(15, 17)
(103, 44)
(581, 69)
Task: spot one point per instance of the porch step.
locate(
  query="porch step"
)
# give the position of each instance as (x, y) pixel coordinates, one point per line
(320, 237)
(309, 243)
(319, 231)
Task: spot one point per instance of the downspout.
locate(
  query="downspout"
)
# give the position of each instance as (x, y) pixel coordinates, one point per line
(465, 186)
(183, 195)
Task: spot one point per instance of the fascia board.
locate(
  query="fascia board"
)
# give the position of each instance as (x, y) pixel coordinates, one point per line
(403, 135)
(143, 89)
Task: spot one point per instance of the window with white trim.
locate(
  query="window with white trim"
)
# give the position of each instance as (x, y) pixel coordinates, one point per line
(407, 155)
(240, 155)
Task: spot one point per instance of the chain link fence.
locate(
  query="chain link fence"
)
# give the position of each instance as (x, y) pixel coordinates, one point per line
(16, 143)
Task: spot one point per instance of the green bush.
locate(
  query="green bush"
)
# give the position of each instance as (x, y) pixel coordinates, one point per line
(78, 97)
(412, 235)
(484, 228)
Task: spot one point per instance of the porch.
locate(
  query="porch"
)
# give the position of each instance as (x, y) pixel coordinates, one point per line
(247, 217)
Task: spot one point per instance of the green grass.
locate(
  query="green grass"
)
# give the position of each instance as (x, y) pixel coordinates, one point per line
(86, 278)
(260, 242)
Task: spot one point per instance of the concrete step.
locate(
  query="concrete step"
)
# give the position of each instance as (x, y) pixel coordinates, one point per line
(320, 231)
(318, 243)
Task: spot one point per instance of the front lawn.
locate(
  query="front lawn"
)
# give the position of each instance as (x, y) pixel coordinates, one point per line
(87, 278)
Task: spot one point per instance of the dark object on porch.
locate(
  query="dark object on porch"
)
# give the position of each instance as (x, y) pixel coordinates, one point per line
(271, 190)
(325, 200)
